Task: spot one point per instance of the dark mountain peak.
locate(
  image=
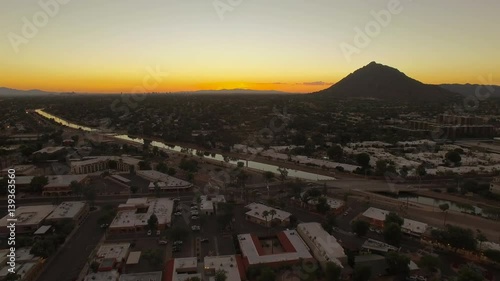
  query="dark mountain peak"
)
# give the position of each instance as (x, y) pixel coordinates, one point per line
(379, 81)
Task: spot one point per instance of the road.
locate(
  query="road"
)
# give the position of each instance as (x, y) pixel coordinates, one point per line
(68, 263)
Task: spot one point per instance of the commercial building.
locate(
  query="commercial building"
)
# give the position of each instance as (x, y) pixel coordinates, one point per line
(324, 246)
(284, 248)
(257, 214)
(144, 276)
(27, 265)
(112, 256)
(49, 153)
(89, 165)
(75, 211)
(378, 247)
(29, 219)
(133, 216)
(376, 217)
(163, 181)
(232, 265)
(182, 269)
(60, 185)
(112, 275)
(208, 203)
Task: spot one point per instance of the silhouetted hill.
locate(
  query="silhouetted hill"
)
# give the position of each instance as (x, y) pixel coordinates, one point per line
(383, 82)
(470, 89)
(7, 92)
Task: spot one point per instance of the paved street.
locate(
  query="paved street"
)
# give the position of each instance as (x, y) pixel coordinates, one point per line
(66, 266)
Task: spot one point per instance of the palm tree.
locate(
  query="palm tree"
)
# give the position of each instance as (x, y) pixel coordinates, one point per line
(444, 208)
(272, 213)
(266, 214)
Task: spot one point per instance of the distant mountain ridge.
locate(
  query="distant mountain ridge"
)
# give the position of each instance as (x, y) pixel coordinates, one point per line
(8, 92)
(383, 82)
(470, 89)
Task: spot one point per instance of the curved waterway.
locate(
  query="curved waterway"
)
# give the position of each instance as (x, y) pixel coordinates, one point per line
(213, 156)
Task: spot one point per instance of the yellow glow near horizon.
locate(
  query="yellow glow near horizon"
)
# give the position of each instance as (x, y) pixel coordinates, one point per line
(107, 47)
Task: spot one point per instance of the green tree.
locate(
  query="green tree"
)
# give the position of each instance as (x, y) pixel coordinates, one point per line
(397, 263)
(393, 218)
(144, 165)
(481, 238)
(171, 171)
(335, 152)
(283, 174)
(162, 167)
(429, 262)
(94, 266)
(360, 227)
(393, 234)
(37, 183)
(322, 206)
(493, 255)
(362, 273)
(76, 188)
(220, 275)
(12, 277)
(457, 237)
(152, 222)
(332, 271)
(43, 248)
(153, 256)
(453, 156)
(267, 274)
(421, 171)
(444, 208)
(363, 159)
(269, 176)
(112, 164)
(469, 273)
(134, 189)
(90, 195)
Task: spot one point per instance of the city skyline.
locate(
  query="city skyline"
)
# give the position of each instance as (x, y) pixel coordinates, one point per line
(302, 47)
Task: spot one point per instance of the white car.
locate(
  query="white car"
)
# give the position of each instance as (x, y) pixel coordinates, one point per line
(194, 217)
(194, 208)
(163, 242)
(177, 199)
(194, 213)
(149, 232)
(178, 242)
(195, 227)
(178, 213)
(158, 233)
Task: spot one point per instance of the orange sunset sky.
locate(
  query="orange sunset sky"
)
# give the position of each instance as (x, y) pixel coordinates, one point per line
(294, 45)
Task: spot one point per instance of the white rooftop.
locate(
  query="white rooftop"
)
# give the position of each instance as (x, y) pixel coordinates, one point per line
(168, 182)
(183, 265)
(325, 243)
(42, 230)
(29, 215)
(372, 244)
(116, 251)
(161, 207)
(144, 276)
(103, 276)
(134, 257)
(67, 210)
(257, 209)
(226, 263)
(249, 250)
(207, 202)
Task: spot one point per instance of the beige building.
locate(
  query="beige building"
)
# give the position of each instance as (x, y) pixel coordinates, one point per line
(101, 163)
(29, 219)
(257, 212)
(75, 211)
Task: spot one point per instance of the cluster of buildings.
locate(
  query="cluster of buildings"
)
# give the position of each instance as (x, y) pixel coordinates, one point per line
(163, 181)
(32, 218)
(376, 218)
(337, 206)
(27, 265)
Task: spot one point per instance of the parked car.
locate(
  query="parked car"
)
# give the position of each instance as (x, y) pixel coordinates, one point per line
(194, 217)
(204, 240)
(175, 249)
(177, 199)
(163, 242)
(194, 208)
(178, 213)
(194, 213)
(178, 242)
(195, 227)
(149, 232)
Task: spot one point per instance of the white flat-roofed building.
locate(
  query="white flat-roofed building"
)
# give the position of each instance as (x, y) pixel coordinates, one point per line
(164, 181)
(336, 205)
(376, 217)
(29, 218)
(101, 163)
(208, 203)
(182, 269)
(134, 257)
(70, 210)
(256, 215)
(378, 246)
(134, 215)
(112, 275)
(324, 246)
(51, 150)
(60, 185)
(144, 276)
(231, 264)
(112, 255)
(291, 249)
